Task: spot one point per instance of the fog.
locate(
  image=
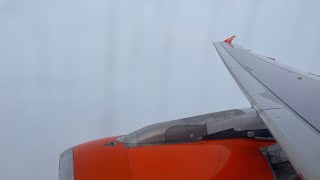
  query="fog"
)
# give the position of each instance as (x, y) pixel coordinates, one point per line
(78, 70)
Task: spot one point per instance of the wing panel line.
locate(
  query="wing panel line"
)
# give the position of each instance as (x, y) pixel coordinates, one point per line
(279, 66)
(271, 90)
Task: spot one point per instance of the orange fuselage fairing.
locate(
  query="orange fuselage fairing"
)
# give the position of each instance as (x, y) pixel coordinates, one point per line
(213, 159)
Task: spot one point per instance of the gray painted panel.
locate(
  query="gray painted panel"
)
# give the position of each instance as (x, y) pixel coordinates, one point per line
(194, 128)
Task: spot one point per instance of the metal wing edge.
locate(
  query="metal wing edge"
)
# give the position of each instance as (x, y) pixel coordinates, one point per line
(295, 137)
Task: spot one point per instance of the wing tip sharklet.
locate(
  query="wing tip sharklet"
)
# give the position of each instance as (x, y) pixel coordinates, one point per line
(229, 40)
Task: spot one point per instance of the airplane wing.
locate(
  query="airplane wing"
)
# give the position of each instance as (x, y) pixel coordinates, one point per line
(286, 99)
(230, 144)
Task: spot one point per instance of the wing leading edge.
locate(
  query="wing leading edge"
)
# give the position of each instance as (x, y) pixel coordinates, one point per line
(286, 99)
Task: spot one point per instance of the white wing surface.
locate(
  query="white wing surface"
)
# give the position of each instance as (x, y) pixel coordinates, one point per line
(286, 99)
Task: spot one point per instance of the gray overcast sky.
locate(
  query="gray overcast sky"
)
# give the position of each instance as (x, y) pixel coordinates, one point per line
(77, 70)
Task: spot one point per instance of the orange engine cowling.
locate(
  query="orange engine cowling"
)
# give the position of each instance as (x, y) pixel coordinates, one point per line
(213, 159)
(221, 145)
